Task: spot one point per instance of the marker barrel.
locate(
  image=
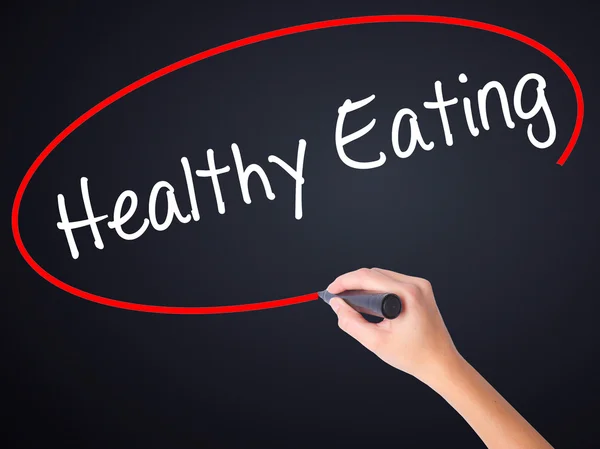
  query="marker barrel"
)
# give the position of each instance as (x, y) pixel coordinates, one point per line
(383, 305)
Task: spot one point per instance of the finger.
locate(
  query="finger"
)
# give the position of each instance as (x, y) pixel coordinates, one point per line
(362, 279)
(352, 322)
(398, 276)
(423, 283)
(373, 280)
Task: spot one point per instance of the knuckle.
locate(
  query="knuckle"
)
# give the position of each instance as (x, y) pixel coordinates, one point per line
(412, 291)
(362, 274)
(343, 323)
(425, 285)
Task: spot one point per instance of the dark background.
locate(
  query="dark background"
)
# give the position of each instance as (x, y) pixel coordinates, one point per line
(507, 237)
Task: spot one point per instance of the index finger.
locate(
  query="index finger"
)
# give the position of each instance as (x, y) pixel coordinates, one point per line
(363, 279)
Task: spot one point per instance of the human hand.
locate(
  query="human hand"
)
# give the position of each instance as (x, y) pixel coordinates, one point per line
(417, 341)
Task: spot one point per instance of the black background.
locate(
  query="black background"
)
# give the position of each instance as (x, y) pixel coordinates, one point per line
(507, 237)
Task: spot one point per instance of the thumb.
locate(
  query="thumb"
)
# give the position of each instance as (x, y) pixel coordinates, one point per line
(352, 322)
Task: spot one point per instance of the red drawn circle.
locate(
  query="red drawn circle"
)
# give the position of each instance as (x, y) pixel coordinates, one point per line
(231, 46)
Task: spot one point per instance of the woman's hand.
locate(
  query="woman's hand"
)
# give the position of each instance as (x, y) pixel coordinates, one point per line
(417, 342)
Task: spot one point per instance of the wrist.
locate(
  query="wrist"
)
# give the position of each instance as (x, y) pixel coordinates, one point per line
(444, 369)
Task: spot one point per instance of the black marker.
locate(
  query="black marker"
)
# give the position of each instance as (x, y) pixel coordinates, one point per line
(384, 305)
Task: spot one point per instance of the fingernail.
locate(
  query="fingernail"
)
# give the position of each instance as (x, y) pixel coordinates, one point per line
(335, 304)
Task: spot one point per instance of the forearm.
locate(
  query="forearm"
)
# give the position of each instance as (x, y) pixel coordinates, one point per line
(496, 422)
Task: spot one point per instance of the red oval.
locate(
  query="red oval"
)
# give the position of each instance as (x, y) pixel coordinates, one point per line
(231, 46)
